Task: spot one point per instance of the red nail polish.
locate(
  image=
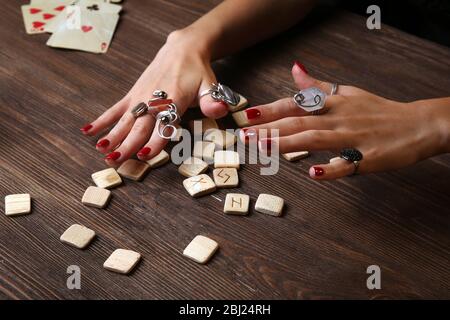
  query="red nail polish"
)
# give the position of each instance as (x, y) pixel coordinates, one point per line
(159, 102)
(144, 151)
(318, 171)
(113, 156)
(301, 66)
(86, 128)
(102, 143)
(252, 113)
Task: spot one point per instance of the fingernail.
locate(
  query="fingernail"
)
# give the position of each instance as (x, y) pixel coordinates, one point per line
(144, 151)
(252, 113)
(113, 156)
(266, 144)
(301, 66)
(249, 133)
(102, 143)
(86, 128)
(318, 171)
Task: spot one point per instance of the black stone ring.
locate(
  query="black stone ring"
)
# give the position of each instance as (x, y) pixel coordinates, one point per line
(352, 155)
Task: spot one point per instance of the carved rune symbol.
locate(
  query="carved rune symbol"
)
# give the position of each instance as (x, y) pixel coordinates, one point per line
(225, 175)
(201, 180)
(233, 201)
(93, 7)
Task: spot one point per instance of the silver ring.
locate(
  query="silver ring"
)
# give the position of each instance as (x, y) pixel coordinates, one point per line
(204, 93)
(166, 119)
(142, 108)
(139, 110)
(352, 155)
(334, 89)
(356, 164)
(312, 100)
(221, 92)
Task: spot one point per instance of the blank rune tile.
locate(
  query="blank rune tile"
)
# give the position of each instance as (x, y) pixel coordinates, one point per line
(294, 156)
(78, 236)
(96, 197)
(223, 139)
(236, 203)
(17, 204)
(133, 169)
(158, 160)
(201, 249)
(204, 150)
(206, 124)
(269, 204)
(122, 261)
(226, 177)
(199, 185)
(243, 102)
(192, 167)
(107, 178)
(240, 118)
(226, 159)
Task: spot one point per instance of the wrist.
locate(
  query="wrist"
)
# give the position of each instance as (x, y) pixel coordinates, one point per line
(193, 40)
(436, 114)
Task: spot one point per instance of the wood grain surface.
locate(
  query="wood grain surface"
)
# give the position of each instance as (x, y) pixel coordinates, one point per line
(330, 232)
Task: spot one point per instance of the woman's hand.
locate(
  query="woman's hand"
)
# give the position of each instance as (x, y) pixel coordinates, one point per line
(389, 134)
(180, 69)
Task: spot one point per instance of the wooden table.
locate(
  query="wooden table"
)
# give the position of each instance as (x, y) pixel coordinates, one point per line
(330, 232)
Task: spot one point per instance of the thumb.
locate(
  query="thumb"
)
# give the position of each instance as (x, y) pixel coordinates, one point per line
(210, 107)
(303, 80)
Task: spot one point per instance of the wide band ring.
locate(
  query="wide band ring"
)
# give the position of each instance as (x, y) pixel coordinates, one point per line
(352, 155)
(221, 92)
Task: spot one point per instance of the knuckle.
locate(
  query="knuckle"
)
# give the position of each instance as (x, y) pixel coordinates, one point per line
(140, 128)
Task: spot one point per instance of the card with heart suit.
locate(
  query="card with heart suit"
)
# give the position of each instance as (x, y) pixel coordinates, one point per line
(40, 13)
(94, 6)
(91, 32)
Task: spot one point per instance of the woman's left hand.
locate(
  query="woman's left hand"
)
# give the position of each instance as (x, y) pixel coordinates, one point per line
(389, 134)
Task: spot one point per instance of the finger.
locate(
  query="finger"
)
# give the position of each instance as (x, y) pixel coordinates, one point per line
(304, 80)
(138, 135)
(117, 134)
(108, 118)
(153, 146)
(156, 143)
(287, 127)
(284, 108)
(307, 140)
(337, 168)
(211, 108)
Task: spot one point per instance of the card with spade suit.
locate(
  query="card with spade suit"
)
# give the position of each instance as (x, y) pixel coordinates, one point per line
(95, 6)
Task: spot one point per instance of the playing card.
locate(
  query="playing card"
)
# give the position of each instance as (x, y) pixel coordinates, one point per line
(87, 31)
(40, 13)
(95, 6)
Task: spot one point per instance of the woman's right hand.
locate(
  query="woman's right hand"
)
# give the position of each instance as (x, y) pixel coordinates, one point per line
(182, 69)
